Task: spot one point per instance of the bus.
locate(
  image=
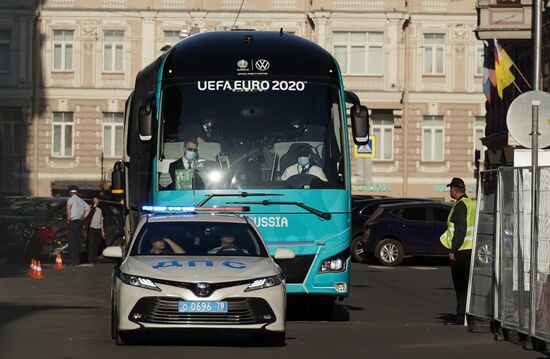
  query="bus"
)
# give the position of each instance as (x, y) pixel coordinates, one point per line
(264, 114)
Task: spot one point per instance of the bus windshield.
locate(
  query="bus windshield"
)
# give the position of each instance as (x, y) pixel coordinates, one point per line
(251, 133)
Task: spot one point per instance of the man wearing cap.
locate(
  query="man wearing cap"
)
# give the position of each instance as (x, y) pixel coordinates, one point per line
(77, 210)
(304, 166)
(458, 240)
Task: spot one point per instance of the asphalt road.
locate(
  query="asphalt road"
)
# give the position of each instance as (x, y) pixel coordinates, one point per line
(392, 313)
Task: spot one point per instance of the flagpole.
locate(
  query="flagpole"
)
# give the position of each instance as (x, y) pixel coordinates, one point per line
(515, 84)
(521, 74)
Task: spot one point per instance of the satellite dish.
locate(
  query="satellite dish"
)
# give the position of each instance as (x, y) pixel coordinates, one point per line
(519, 120)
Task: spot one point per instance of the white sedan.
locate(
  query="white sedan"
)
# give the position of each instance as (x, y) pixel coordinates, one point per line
(197, 271)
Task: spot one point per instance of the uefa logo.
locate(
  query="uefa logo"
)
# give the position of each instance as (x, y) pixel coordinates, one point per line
(242, 64)
(262, 65)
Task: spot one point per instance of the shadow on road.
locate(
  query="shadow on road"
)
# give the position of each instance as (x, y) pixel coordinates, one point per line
(446, 317)
(13, 270)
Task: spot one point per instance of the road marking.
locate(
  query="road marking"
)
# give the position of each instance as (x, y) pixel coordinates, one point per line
(380, 267)
(424, 268)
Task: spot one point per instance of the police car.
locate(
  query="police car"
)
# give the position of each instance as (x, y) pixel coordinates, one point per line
(197, 271)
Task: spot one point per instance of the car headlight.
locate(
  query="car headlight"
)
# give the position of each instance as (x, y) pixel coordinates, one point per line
(335, 264)
(266, 282)
(137, 281)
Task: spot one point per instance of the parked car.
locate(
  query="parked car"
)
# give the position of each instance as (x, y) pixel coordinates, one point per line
(362, 209)
(397, 230)
(39, 226)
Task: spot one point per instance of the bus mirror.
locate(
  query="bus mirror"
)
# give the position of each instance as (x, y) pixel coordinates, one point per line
(360, 124)
(117, 178)
(145, 118)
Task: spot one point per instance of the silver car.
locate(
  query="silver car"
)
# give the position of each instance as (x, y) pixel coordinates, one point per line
(197, 271)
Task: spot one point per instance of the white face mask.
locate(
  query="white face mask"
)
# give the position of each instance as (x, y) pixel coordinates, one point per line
(190, 155)
(303, 161)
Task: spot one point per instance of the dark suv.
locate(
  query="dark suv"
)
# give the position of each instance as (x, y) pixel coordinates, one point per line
(394, 231)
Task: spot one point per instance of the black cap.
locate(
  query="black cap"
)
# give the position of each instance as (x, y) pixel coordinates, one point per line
(73, 188)
(303, 151)
(457, 182)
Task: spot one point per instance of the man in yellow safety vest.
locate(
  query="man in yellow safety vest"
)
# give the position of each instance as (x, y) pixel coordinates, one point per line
(458, 240)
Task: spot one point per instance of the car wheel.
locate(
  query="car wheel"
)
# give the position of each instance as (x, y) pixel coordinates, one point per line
(389, 252)
(270, 339)
(357, 249)
(484, 255)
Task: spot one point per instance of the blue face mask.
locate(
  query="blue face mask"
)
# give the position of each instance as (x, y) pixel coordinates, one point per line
(190, 155)
(303, 161)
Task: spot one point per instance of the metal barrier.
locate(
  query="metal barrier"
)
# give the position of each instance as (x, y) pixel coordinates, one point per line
(500, 288)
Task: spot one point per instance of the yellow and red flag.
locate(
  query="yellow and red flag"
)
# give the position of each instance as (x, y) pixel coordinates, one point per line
(503, 63)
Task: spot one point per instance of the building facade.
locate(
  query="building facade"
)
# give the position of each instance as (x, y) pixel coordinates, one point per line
(417, 65)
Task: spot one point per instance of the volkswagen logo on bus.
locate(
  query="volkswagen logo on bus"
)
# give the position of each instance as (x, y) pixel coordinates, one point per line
(242, 64)
(202, 289)
(262, 65)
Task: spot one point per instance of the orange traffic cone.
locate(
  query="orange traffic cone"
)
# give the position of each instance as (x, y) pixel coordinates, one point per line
(39, 274)
(31, 268)
(34, 268)
(58, 262)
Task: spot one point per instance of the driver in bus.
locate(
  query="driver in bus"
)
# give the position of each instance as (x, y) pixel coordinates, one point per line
(304, 166)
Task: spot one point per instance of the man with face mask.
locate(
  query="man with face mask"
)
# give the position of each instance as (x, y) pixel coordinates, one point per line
(189, 161)
(304, 166)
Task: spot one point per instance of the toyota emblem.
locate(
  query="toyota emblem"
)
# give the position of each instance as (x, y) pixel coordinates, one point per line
(262, 65)
(202, 289)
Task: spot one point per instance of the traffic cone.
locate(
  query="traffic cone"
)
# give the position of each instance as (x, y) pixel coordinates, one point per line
(58, 262)
(34, 268)
(31, 268)
(39, 274)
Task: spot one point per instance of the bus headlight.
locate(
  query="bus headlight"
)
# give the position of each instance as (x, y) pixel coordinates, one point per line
(335, 264)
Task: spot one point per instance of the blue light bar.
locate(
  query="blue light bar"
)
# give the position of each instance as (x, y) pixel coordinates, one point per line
(168, 209)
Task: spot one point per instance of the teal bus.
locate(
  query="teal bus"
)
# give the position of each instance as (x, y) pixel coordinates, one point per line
(255, 119)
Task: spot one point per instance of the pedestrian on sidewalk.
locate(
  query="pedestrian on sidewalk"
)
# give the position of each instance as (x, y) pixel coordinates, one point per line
(95, 230)
(458, 240)
(77, 211)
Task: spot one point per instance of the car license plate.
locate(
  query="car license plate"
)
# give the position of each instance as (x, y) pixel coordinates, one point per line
(202, 307)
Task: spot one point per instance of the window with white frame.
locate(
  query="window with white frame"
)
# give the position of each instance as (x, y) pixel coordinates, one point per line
(5, 44)
(432, 138)
(63, 49)
(479, 58)
(479, 132)
(113, 51)
(359, 52)
(434, 54)
(63, 129)
(382, 129)
(113, 129)
(171, 37)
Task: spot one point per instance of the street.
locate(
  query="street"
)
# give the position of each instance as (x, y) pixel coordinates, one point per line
(392, 313)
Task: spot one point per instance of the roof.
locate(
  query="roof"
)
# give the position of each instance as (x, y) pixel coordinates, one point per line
(225, 218)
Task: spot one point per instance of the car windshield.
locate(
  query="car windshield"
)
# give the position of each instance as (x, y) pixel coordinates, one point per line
(37, 208)
(198, 238)
(276, 134)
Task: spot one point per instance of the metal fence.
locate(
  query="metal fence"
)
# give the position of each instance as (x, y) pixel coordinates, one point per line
(500, 280)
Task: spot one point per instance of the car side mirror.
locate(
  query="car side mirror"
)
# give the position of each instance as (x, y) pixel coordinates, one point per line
(284, 253)
(113, 252)
(145, 116)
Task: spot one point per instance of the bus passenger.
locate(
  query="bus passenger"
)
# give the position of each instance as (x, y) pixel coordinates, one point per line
(303, 166)
(189, 161)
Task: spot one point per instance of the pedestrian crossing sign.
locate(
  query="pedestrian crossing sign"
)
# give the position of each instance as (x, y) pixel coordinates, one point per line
(366, 151)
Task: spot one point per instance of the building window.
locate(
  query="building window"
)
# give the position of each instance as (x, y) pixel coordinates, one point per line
(171, 37)
(113, 51)
(432, 138)
(63, 128)
(113, 123)
(11, 132)
(63, 47)
(479, 59)
(479, 132)
(5, 44)
(382, 129)
(359, 52)
(434, 54)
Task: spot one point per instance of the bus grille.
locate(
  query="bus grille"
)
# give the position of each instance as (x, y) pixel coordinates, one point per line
(164, 310)
(296, 269)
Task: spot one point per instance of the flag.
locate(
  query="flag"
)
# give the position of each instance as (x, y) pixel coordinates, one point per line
(504, 75)
(489, 77)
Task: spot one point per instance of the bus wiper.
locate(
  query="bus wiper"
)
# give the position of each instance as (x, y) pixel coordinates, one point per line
(323, 215)
(240, 194)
